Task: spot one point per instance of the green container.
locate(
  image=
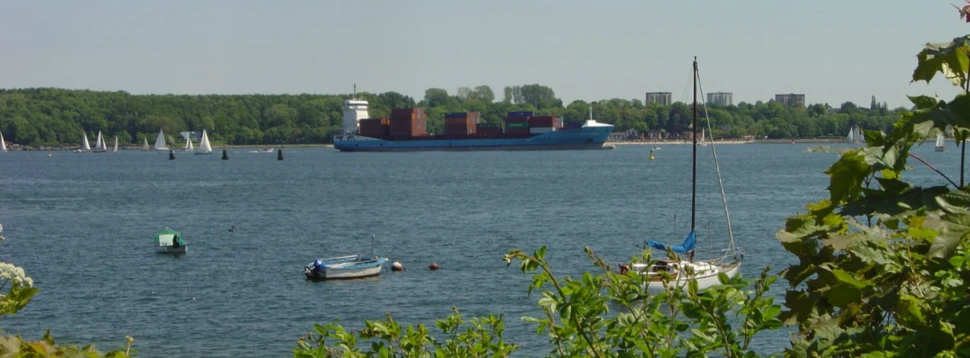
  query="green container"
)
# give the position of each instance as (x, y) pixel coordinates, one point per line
(517, 125)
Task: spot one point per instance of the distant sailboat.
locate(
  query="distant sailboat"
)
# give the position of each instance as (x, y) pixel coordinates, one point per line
(145, 146)
(85, 146)
(99, 146)
(160, 141)
(204, 146)
(940, 147)
(3, 145)
(116, 144)
(854, 136)
(188, 144)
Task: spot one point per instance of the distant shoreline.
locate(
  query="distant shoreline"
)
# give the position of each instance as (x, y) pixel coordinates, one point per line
(216, 148)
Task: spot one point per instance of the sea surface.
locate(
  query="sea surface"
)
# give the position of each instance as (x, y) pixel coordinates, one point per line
(82, 227)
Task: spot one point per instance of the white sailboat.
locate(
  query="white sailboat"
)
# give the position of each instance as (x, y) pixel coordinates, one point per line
(160, 141)
(99, 146)
(855, 135)
(116, 144)
(188, 145)
(85, 146)
(145, 146)
(940, 146)
(3, 145)
(204, 146)
(706, 272)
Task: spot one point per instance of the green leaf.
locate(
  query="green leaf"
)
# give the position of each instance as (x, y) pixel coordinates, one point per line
(950, 59)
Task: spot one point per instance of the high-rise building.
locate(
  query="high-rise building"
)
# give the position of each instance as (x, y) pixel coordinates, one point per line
(720, 98)
(662, 98)
(791, 99)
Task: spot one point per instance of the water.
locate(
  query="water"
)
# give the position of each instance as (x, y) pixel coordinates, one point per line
(82, 227)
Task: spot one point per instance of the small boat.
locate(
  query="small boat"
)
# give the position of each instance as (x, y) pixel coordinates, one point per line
(684, 269)
(655, 148)
(344, 267)
(3, 145)
(116, 144)
(99, 146)
(940, 146)
(169, 241)
(160, 141)
(204, 146)
(266, 150)
(85, 147)
(188, 145)
(145, 146)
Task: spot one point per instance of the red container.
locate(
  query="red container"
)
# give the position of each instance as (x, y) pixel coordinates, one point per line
(408, 122)
(544, 121)
(374, 127)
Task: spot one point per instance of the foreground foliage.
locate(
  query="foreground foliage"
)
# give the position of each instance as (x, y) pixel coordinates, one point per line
(579, 320)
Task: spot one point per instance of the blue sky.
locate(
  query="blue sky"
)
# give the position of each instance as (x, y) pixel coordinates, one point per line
(831, 50)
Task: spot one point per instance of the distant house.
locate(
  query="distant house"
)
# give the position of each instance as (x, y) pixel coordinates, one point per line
(654, 134)
(196, 136)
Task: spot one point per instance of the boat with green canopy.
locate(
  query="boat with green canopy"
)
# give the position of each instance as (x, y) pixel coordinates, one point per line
(169, 241)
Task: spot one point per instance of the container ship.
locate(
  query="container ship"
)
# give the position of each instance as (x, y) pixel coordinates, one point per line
(406, 130)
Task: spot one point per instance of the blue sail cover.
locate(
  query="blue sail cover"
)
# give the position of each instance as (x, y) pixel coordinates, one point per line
(688, 244)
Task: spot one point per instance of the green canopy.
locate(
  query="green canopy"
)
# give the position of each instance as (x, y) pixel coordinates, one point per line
(167, 237)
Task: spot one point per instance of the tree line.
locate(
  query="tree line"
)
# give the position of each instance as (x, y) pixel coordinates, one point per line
(57, 117)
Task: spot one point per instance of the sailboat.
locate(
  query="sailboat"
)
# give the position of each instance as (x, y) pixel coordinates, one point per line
(204, 146)
(854, 136)
(683, 270)
(188, 144)
(160, 141)
(145, 146)
(99, 146)
(116, 144)
(85, 146)
(940, 147)
(3, 145)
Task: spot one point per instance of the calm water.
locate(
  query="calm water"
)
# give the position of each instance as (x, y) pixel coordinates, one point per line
(82, 224)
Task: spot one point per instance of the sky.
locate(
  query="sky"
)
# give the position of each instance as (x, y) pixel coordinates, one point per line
(833, 51)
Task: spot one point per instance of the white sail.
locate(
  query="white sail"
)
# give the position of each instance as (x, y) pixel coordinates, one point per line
(160, 141)
(99, 143)
(145, 146)
(188, 144)
(116, 144)
(204, 146)
(85, 146)
(3, 145)
(940, 146)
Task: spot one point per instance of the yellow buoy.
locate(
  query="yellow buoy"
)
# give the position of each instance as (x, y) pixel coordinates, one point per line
(651, 154)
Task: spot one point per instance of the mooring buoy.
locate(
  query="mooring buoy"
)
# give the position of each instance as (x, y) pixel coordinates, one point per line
(225, 155)
(433, 266)
(397, 267)
(279, 154)
(171, 154)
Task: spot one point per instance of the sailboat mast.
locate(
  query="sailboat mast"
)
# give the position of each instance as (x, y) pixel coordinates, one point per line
(693, 187)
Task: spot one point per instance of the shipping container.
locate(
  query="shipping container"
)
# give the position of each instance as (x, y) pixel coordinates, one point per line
(517, 125)
(488, 125)
(537, 130)
(456, 115)
(408, 122)
(521, 114)
(374, 127)
(517, 119)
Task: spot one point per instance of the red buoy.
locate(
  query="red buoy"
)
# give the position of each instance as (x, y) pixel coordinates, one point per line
(624, 268)
(433, 266)
(397, 267)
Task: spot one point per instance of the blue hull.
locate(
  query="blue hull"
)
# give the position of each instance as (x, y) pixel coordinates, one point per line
(566, 139)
